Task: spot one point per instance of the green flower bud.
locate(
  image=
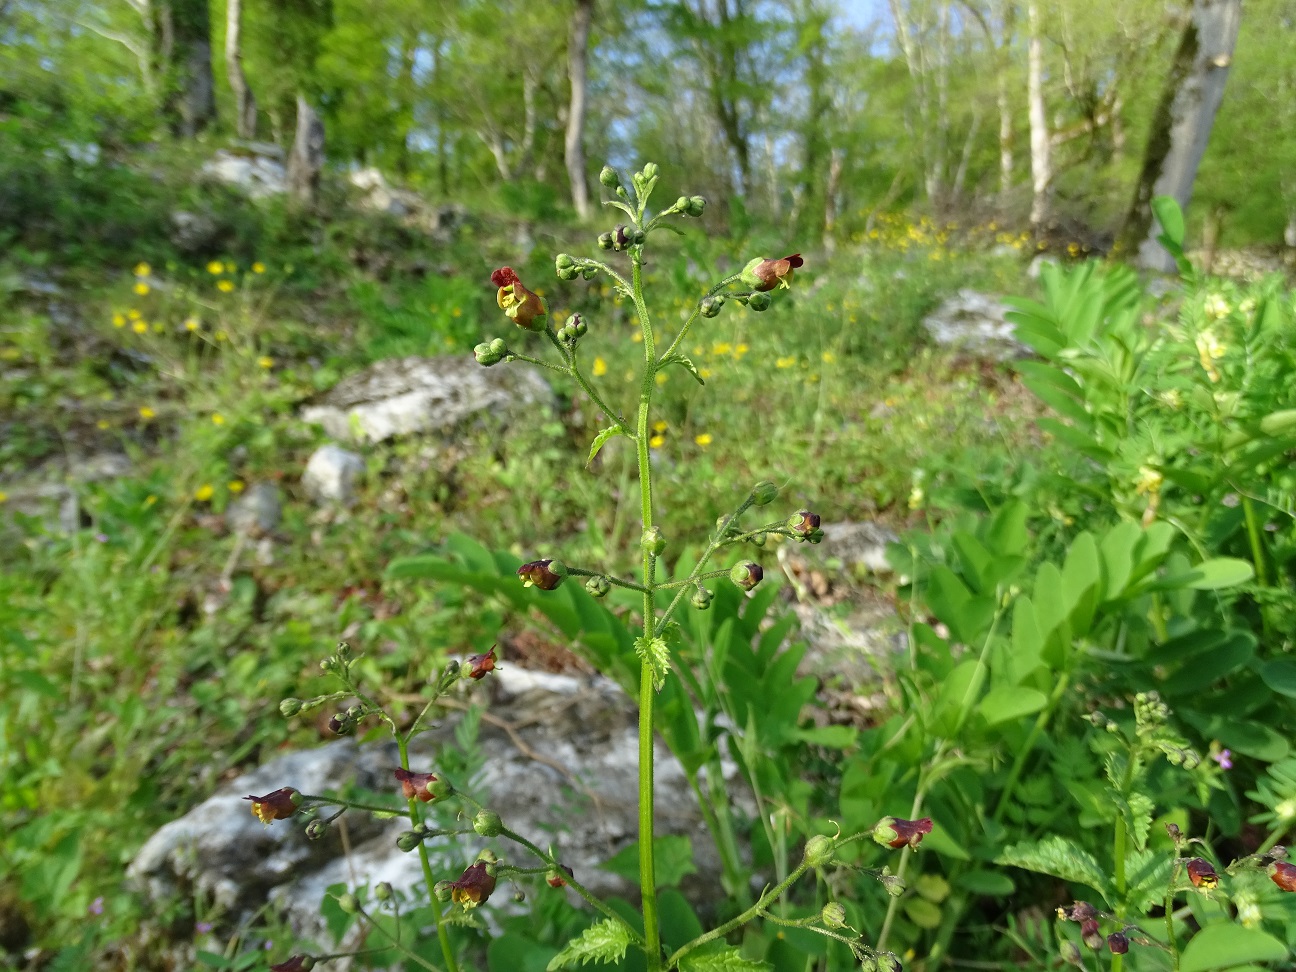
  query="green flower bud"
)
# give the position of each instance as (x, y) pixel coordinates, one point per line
(695, 206)
(650, 171)
(564, 260)
(894, 883)
(598, 586)
(746, 574)
(701, 599)
(290, 707)
(833, 915)
(764, 493)
(491, 352)
(819, 851)
(606, 241)
(487, 823)
(652, 541)
(638, 236)
(711, 306)
(589, 273)
(316, 829)
(443, 890)
(568, 273)
(681, 204)
(889, 962)
(760, 302)
(355, 711)
(487, 855)
(383, 891)
(757, 539)
(348, 903)
(449, 675)
(609, 177)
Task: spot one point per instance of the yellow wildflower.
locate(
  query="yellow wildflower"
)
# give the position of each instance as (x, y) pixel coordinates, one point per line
(3, 496)
(704, 439)
(828, 357)
(149, 501)
(222, 335)
(140, 327)
(218, 418)
(102, 424)
(721, 348)
(146, 413)
(661, 377)
(225, 286)
(141, 288)
(787, 362)
(600, 368)
(203, 493)
(741, 349)
(457, 312)
(133, 314)
(265, 361)
(142, 269)
(1149, 480)
(235, 486)
(258, 267)
(191, 323)
(657, 441)
(705, 373)
(637, 337)
(660, 426)
(215, 267)
(1217, 307)
(119, 320)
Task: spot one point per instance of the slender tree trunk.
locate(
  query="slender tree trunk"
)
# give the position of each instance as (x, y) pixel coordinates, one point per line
(245, 106)
(574, 143)
(307, 158)
(1041, 168)
(836, 165)
(183, 53)
(1182, 124)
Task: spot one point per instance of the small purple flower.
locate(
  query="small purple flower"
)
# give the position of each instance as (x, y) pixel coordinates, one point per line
(203, 927)
(101, 537)
(96, 906)
(1225, 759)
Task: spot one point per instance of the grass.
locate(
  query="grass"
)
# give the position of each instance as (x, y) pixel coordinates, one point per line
(142, 669)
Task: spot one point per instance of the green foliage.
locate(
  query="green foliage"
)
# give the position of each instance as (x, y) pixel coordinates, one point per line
(603, 942)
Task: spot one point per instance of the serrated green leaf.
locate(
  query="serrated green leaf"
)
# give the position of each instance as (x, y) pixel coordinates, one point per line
(729, 960)
(1058, 857)
(601, 439)
(1226, 945)
(656, 654)
(605, 942)
(685, 362)
(673, 855)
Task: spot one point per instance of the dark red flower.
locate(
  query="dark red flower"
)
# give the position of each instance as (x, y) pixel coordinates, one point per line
(479, 665)
(296, 963)
(1202, 874)
(540, 573)
(1118, 942)
(555, 879)
(421, 786)
(804, 523)
(1080, 911)
(764, 274)
(279, 805)
(523, 308)
(1283, 875)
(896, 832)
(474, 887)
(1090, 933)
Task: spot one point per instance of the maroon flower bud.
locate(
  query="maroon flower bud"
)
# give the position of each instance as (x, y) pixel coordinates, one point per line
(421, 786)
(555, 879)
(1090, 935)
(296, 963)
(804, 524)
(746, 575)
(541, 574)
(1201, 874)
(521, 306)
(764, 274)
(480, 665)
(1283, 875)
(1080, 911)
(1118, 943)
(279, 805)
(896, 832)
(474, 887)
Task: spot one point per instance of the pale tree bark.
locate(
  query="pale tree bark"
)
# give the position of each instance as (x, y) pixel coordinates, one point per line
(574, 143)
(245, 106)
(1182, 124)
(836, 165)
(307, 158)
(1041, 167)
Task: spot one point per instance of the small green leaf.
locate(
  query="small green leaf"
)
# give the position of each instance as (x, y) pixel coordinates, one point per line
(656, 654)
(922, 913)
(1058, 857)
(1008, 703)
(1170, 216)
(1280, 676)
(992, 884)
(685, 362)
(604, 942)
(832, 737)
(729, 960)
(601, 439)
(1226, 945)
(673, 855)
(1209, 575)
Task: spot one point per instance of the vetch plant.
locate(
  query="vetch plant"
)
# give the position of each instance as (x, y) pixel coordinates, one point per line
(661, 597)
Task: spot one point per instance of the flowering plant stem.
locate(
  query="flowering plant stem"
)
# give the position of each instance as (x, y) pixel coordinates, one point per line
(647, 686)
(438, 909)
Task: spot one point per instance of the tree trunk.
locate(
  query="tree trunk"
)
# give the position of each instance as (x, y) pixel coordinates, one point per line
(183, 53)
(307, 158)
(245, 106)
(574, 143)
(1041, 168)
(836, 164)
(1182, 124)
